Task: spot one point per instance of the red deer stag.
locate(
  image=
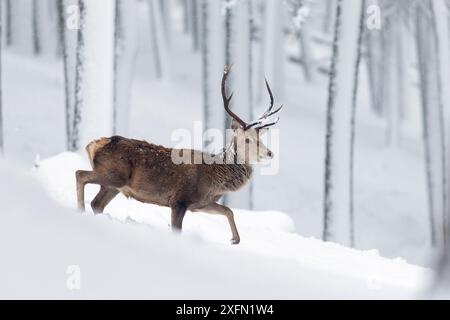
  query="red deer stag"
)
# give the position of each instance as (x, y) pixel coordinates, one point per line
(147, 173)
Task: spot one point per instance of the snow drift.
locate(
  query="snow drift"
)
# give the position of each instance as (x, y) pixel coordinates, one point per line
(130, 252)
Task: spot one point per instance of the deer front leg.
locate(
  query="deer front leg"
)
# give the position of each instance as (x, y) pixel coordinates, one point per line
(216, 208)
(178, 212)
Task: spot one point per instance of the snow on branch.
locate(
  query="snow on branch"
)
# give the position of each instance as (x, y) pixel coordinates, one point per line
(300, 11)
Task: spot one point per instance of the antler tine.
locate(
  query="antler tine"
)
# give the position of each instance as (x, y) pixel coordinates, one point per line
(270, 94)
(269, 112)
(269, 124)
(259, 123)
(226, 100)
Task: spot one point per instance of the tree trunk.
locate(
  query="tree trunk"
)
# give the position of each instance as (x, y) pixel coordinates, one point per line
(239, 52)
(36, 30)
(186, 16)
(274, 47)
(338, 201)
(68, 39)
(195, 24)
(164, 7)
(212, 70)
(159, 41)
(375, 69)
(8, 23)
(392, 79)
(328, 15)
(2, 145)
(95, 71)
(307, 59)
(433, 126)
(125, 53)
(442, 14)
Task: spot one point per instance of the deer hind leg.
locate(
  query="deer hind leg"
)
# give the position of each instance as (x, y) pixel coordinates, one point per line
(83, 178)
(102, 199)
(178, 212)
(218, 209)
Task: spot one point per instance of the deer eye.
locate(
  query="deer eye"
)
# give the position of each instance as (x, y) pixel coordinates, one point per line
(247, 140)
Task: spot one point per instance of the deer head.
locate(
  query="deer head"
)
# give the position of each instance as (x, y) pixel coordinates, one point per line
(247, 137)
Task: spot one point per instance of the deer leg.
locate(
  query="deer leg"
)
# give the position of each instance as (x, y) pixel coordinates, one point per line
(178, 212)
(102, 199)
(216, 208)
(83, 178)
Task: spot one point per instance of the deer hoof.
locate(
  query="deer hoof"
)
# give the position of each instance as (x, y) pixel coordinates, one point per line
(235, 241)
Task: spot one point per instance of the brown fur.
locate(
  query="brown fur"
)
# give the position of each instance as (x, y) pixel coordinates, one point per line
(94, 146)
(146, 172)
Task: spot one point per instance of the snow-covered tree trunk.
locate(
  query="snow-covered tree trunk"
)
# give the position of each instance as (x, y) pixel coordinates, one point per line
(68, 35)
(306, 52)
(212, 70)
(160, 48)
(239, 53)
(329, 15)
(22, 26)
(195, 23)
(47, 28)
(375, 65)
(274, 53)
(442, 14)
(125, 54)
(36, 30)
(186, 16)
(8, 22)
(375, 69)
(338, 207)
(1, 84)
(165, 8)
(230, 39)
(392, 79)
(95, 71)
(433, 121)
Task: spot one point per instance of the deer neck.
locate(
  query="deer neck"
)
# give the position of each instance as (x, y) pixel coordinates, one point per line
(235, 172)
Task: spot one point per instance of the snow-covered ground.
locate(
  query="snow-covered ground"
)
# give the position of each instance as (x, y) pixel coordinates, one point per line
(391, 210)
(390, 200)
(43, 240)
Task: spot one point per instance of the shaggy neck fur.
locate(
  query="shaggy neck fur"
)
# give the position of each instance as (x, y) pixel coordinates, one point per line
(232, 175)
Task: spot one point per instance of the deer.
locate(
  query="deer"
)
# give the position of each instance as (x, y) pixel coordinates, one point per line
(146, 172)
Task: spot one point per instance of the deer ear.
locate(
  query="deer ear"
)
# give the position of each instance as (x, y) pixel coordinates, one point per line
(235, 125)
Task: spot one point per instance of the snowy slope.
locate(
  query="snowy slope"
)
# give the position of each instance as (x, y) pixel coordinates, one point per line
(40, 239)
(390, 195)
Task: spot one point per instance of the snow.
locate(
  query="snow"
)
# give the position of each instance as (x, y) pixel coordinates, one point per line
(129, 252)
(390, 189)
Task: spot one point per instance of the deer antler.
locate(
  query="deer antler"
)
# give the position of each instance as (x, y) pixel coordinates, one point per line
(226, 100)
(261, 122)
